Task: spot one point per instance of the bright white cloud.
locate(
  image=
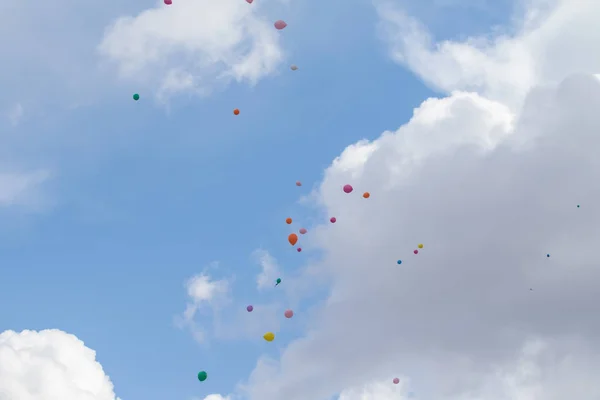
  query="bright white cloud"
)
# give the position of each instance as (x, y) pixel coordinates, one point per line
(21, 188)
(489, 181)
(553, 39)
(50, 365)
(193, 43)
(269, 269)
(202, 290)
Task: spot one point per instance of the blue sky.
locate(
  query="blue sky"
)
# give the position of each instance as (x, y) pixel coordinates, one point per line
(142, 197)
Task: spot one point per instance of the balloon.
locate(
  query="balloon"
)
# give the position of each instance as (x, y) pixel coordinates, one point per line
(249, 1)
(293, 67)
(547, 255)
(578, 206)
(280, 24)
(366, 195)
(348, 189)
(302, 231)
(202, 375)
(249, 308)
(168, 2)
(293, 239)
(416, 251)
(288, 313)
(136, 97)
(299, 249)
(396, 381)
(236, 112)
(278, 281)
(269, 336)
(399, 262)
(298, 183)
(288, 221)
(420, 245)
(332, 220)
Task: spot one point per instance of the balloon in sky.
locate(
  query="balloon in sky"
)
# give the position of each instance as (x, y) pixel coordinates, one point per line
(202, 375)
(269, 336)
(577, 205)
(236, 112)
(420, 245)
(250, 308)
(136, 97)
(396, 381)
(302, 231)
(299, 249)
(288, 313)
(293, 239)
(249, 1)
(547, 255)
(399, 262)
(348, 188)
(288, 221)
(168, 2)
(298, 183)
(416, 251)
(280, 24)
(278, 281)
(332, 220)
(293, 67)
(366, 195)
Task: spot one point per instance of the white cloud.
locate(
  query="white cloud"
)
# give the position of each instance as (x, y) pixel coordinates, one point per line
(21, 188)
(15, 114)
(269, 269)
(201, 291)
(191, 44)
(489, 181)
(554, 38)
(50, 365)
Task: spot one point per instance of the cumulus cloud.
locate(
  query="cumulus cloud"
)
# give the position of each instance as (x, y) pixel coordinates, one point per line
(202, 290)
(49, 365)
(190, 45)
(489, 180)
(269, 269)
(553, 39)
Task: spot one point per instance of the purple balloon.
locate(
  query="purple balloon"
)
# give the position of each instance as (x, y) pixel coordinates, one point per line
(332, 220)
(302, 231)
(168, 2)
(280, 24)
(249, 308)
(396, 381)
(416, 251)
(299, 249)
(348, 188)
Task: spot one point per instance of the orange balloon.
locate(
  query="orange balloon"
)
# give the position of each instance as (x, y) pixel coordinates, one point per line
(293, 239)
(288, 221)
(366, 195)
(236, 112)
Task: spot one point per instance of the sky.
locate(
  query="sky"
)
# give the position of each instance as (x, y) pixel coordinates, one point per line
(133, 234)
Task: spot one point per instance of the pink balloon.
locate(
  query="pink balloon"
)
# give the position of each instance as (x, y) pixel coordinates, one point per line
(168, 2)
(348, 188)
(298, 183)
(249, 1)
(299, 249)
(332, 220)
(288, 313)
(302, 231)
(396, 381)
(280, 24)
(416, 251)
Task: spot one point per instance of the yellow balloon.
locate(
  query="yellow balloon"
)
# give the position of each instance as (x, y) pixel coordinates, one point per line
(420, 245)
(269, 336)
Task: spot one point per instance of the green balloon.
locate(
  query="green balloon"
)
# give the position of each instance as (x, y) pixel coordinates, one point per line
(202, 375)
(278, 280)
(136, 97)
